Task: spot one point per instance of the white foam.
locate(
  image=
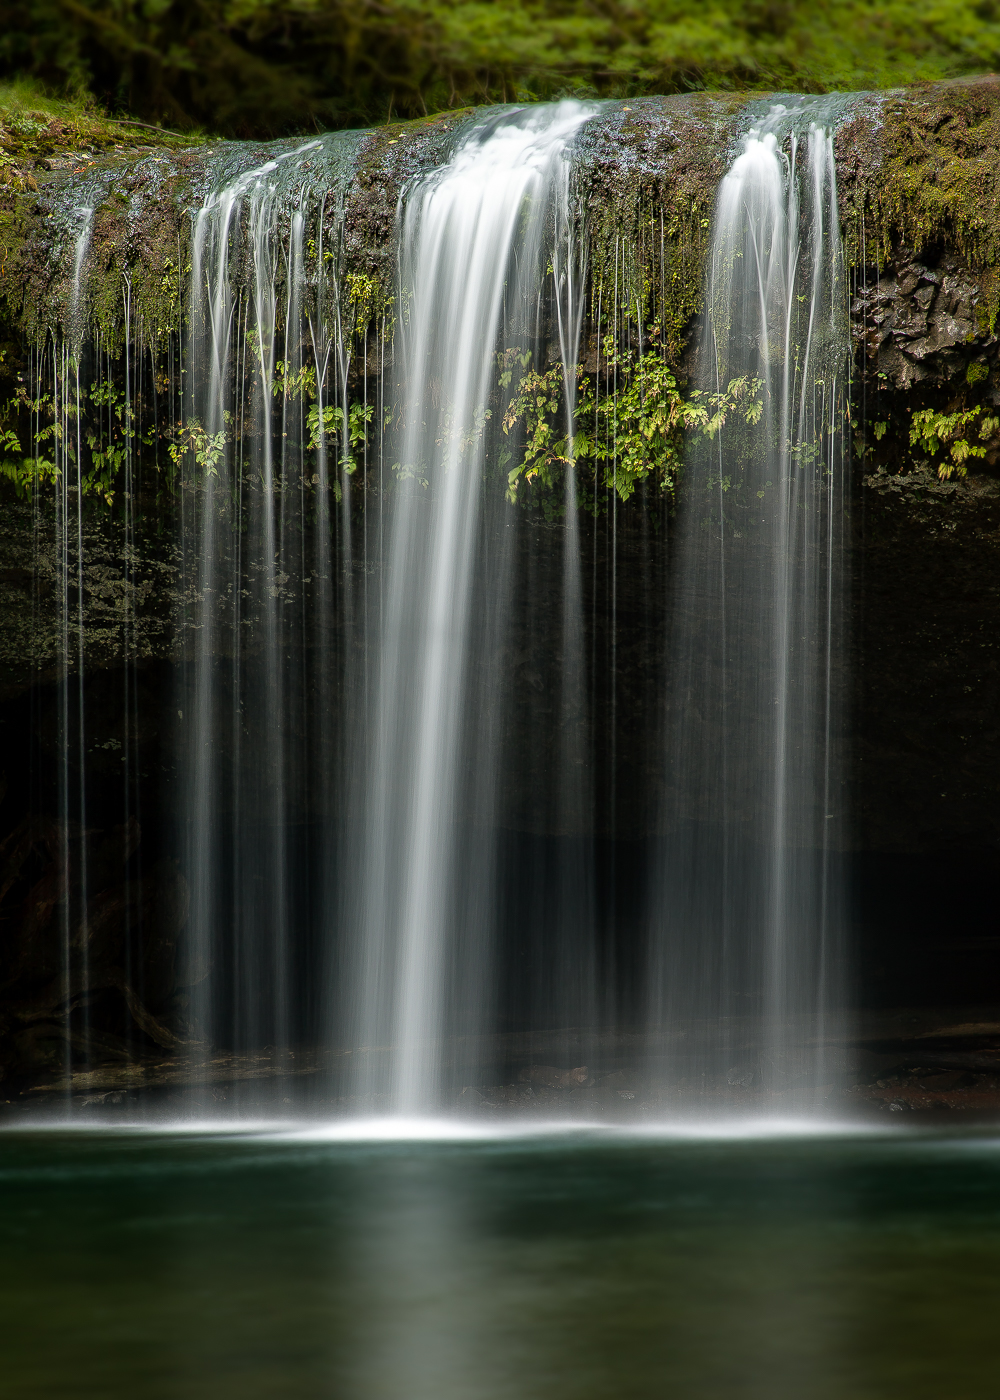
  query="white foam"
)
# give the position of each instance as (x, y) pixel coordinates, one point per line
(426, 1129)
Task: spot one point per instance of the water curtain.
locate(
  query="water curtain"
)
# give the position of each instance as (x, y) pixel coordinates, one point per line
(746, 935)
(394, 730)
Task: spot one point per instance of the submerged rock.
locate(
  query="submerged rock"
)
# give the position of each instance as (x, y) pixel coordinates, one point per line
(549, 1077)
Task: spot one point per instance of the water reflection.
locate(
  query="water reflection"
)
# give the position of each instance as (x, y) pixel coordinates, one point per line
(175, 1266)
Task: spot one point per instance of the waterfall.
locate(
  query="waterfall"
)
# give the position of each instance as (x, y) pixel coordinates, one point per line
(260, 547)
(749, 907)
(407, 781)
(343, 870)
(475, 236)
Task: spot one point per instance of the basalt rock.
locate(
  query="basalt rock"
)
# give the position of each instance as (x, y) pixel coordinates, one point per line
(118, 936)
(923, 325)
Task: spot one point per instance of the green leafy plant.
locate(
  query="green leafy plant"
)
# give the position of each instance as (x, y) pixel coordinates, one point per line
(331, 422)
(24, 473)
(934, 431)
(623, 438)
(291, 385)
(206, 448)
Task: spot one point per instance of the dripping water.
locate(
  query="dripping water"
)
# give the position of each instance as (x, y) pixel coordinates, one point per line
(259, 585)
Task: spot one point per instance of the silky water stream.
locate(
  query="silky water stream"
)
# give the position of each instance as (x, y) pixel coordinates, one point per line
(749, 936)
(475, 240)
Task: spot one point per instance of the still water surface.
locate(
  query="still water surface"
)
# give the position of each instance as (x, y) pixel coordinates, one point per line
(570, 1267)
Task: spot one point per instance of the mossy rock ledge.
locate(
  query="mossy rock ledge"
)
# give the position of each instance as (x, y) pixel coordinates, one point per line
(919, 187)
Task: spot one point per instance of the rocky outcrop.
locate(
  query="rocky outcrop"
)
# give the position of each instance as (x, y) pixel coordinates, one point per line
(922, 323)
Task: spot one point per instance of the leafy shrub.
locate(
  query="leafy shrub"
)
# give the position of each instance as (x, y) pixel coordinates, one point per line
(933, 431)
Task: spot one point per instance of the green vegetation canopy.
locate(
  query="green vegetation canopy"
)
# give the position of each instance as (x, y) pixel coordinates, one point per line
(263, 67)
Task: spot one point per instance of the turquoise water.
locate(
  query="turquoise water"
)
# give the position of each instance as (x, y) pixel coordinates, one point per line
(584, 1267)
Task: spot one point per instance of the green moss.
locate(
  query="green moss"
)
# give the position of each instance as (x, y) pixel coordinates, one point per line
(920, 169)
(148, 279)
(34, 125)
(649, 177)
(15, 227)
(33, 292)
(387, 157)
(989, 301)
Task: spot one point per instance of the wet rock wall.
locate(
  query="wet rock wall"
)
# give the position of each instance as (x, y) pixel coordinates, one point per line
(918, 177)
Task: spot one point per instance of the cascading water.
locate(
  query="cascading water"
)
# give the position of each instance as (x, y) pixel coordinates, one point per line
(746, 942)
(258, 535)
(474, 237)
(410, 714)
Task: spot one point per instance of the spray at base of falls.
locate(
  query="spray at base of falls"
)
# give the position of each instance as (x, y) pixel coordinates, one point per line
(749, 936)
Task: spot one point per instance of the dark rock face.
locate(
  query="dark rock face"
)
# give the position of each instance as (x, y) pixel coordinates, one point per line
(926, 594)
(922, 324)
(927, 661)
(122, 927)
(128, 608)
(919, 189)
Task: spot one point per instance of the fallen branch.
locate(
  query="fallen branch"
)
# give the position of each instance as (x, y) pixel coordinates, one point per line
(164, 130)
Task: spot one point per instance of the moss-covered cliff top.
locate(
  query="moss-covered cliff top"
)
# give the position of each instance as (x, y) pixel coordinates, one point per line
(922, 167)
(918, 166)
(138, 188)
(39, 132)
(91, 207)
